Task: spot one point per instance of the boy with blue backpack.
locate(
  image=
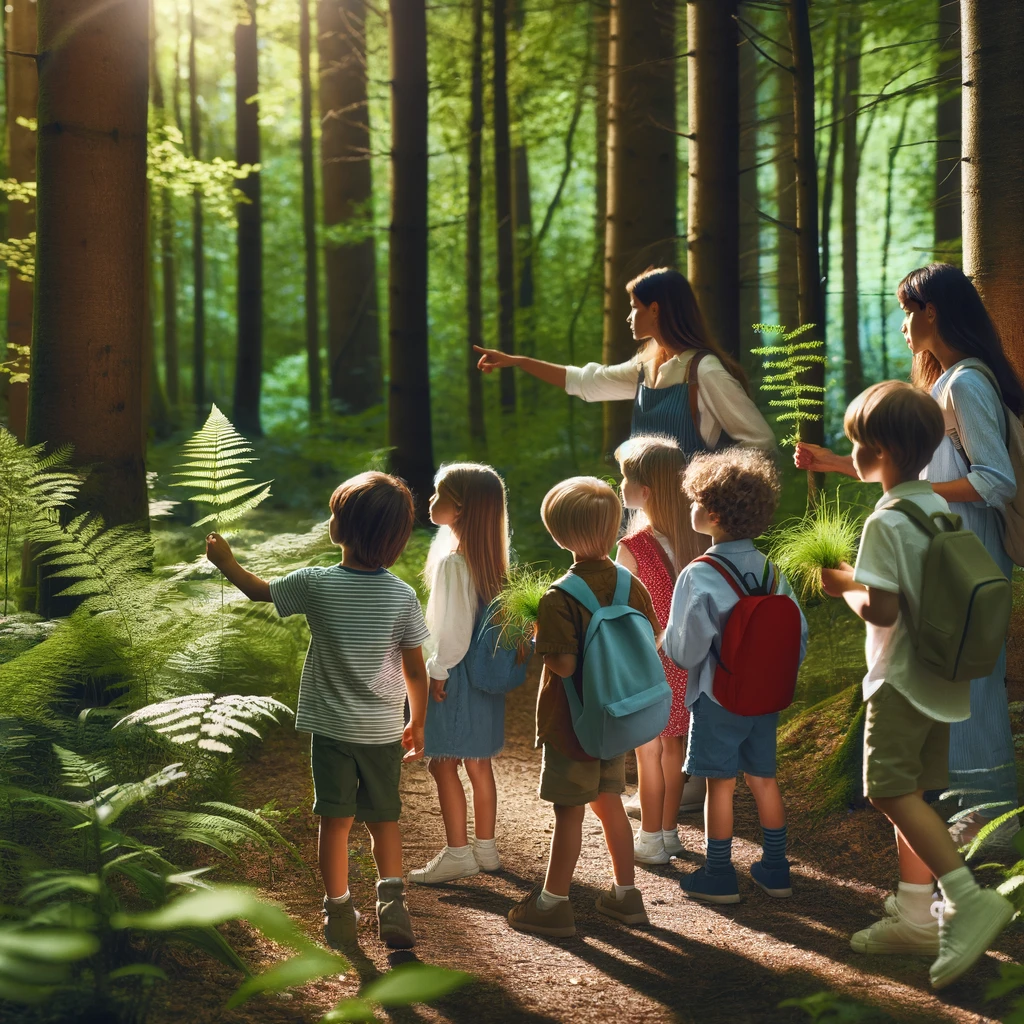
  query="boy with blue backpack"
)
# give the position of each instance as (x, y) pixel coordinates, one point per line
(602, 686)
(738, 631)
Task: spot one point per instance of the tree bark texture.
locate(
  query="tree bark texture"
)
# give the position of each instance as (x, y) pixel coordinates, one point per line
(713, 229)
(993, 155)
(353, 328)
(86, 387)
(22, 95)
(198, 254)
(249, 359)
(787, 285)
(312, 283)
(948, 209)
(884, 298)
(835, 133)
(853, 372)
(599, 28)
(811, 297)
(750, 222)
(503, 201)
(474, 270)
(409, 428)
(641, 222)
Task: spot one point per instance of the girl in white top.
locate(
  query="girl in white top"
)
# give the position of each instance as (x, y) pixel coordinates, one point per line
(465, 571)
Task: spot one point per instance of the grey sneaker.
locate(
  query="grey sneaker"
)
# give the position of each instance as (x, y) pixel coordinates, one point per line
(966, 930)
(340, 921)
(629, 910)
(394, 925)
(557, 923)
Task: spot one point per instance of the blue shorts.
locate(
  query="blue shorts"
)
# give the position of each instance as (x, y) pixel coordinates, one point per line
(721, 744)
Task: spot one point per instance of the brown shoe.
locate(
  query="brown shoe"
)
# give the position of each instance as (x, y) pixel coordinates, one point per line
(629, 910)
(394, 926)
(556, 923)
(340, 921)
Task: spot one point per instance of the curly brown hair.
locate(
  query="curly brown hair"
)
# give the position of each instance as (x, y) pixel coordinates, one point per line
(740, 485)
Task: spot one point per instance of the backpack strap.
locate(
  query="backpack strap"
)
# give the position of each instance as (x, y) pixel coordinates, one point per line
(928, 523)
(623, 585)
(949, 411)
(691, 385)
(578, 589)
(738, 580)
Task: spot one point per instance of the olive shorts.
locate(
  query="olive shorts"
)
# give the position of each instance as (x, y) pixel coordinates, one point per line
(904, 749)
(570, 783)
(356, 779)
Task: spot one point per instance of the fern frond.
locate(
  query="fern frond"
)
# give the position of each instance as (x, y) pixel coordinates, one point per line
(803, 402)
(77, 772)
(257, 823)
(217, 831)
(108, 805)
(210, 469)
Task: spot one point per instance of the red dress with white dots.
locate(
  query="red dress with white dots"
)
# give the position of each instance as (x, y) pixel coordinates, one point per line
(653, 573)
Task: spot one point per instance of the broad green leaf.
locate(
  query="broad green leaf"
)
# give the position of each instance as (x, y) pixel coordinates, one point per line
(137, 971)
(349, 1010)
(311, 963)
(414, 983)
(63, 945)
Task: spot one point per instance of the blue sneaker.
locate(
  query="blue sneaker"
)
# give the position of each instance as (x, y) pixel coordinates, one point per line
(774, 880)
(723, 888)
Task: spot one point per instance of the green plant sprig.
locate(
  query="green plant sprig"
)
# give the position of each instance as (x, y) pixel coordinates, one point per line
(519, 603)
(802, 402)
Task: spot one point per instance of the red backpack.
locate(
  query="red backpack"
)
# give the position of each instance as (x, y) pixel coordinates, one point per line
(760, 646)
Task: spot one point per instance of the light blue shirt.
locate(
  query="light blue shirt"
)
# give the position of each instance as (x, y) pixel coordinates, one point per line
(701, 604)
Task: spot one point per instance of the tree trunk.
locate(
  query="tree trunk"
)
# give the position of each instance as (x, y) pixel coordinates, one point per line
(787, 285)
(641, 225)
(309, 217)
(22, 93)
(885, 299)
(249, 361)
(198, 255)
(829, 180)
(853, 372)
(503, 203)
(993, 128)
(353, 330)
(713, 229)
(750, 224)
(948, 211)
(811, 299)
(86, 387)
(409, 429)
(599, 27)
(474, 274)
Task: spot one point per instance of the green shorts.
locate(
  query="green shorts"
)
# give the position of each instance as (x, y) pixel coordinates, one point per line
(356, 779)
(904, 749)
(570, 783)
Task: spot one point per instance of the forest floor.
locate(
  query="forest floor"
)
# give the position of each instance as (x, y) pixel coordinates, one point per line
(695, 962)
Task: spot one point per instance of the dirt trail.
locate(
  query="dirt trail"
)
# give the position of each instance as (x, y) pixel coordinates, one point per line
(693, 963)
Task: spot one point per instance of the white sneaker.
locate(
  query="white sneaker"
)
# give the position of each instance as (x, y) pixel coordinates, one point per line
(445, 867)
(694, 791)
(632, 805)
(895, 934)
(650, 851)
(487, 859)
(673, 847)
(967, 929)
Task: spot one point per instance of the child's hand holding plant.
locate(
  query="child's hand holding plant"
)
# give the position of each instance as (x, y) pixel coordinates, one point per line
(836, 582)
(218, 551)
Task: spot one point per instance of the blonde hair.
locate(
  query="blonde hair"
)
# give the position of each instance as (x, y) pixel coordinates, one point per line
(481, 525)
(582, 514)
(657, 463)
(740, 485)
(900, 418)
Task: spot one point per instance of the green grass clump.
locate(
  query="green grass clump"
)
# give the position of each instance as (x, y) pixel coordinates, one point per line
(823, 539)
(519, 603)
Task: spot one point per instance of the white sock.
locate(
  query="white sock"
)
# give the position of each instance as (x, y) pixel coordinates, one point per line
(621, 890)
(958, 885)
(461, 852)
(915, 901)
(649, 837)
(343, 898)
(670, 833)
(485, 844)
(548, 900)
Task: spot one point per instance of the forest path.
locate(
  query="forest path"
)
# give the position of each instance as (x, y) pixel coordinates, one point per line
(695, 962)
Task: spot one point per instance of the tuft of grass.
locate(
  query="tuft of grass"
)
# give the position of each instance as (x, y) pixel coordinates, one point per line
(519, 603)
(823, 539)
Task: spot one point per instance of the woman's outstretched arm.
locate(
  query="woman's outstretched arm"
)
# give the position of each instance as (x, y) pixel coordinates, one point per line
(816, 459)
(492, 359)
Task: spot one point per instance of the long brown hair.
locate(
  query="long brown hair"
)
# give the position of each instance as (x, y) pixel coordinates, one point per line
(679, 317)
(963, 323)
(657, 463)
(481, 523)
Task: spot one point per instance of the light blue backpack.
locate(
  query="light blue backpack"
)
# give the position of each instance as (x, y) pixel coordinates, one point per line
(626, 698)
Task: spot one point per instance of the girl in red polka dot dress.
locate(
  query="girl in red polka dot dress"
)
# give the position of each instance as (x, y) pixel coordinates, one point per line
(658, 543)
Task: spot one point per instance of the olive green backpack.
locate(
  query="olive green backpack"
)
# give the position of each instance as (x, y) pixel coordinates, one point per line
(965, 599)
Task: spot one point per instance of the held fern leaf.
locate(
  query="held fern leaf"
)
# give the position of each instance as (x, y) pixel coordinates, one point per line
(211, 469)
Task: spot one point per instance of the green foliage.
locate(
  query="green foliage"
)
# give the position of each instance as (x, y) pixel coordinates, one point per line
(822, 539)
(406, 984)
(20, 255)
(519, 603)
(832, 1008)
(210, 469)
(791, 359)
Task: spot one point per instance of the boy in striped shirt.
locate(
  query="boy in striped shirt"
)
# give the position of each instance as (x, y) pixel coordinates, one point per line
(364, 658)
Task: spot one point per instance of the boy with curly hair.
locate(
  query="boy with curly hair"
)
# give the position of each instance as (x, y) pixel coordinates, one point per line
(733, 495)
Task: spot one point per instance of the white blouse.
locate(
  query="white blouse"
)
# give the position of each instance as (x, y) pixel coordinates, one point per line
(721, 400)
(451, 615)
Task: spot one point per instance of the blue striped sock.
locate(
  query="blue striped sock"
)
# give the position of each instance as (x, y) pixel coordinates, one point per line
(774, 850)
(719, 856)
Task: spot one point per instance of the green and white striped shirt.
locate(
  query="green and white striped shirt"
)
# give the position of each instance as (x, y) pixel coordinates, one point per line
(352, 688)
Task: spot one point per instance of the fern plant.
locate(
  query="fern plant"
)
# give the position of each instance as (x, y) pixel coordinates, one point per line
(211, 470)
(791, 358)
